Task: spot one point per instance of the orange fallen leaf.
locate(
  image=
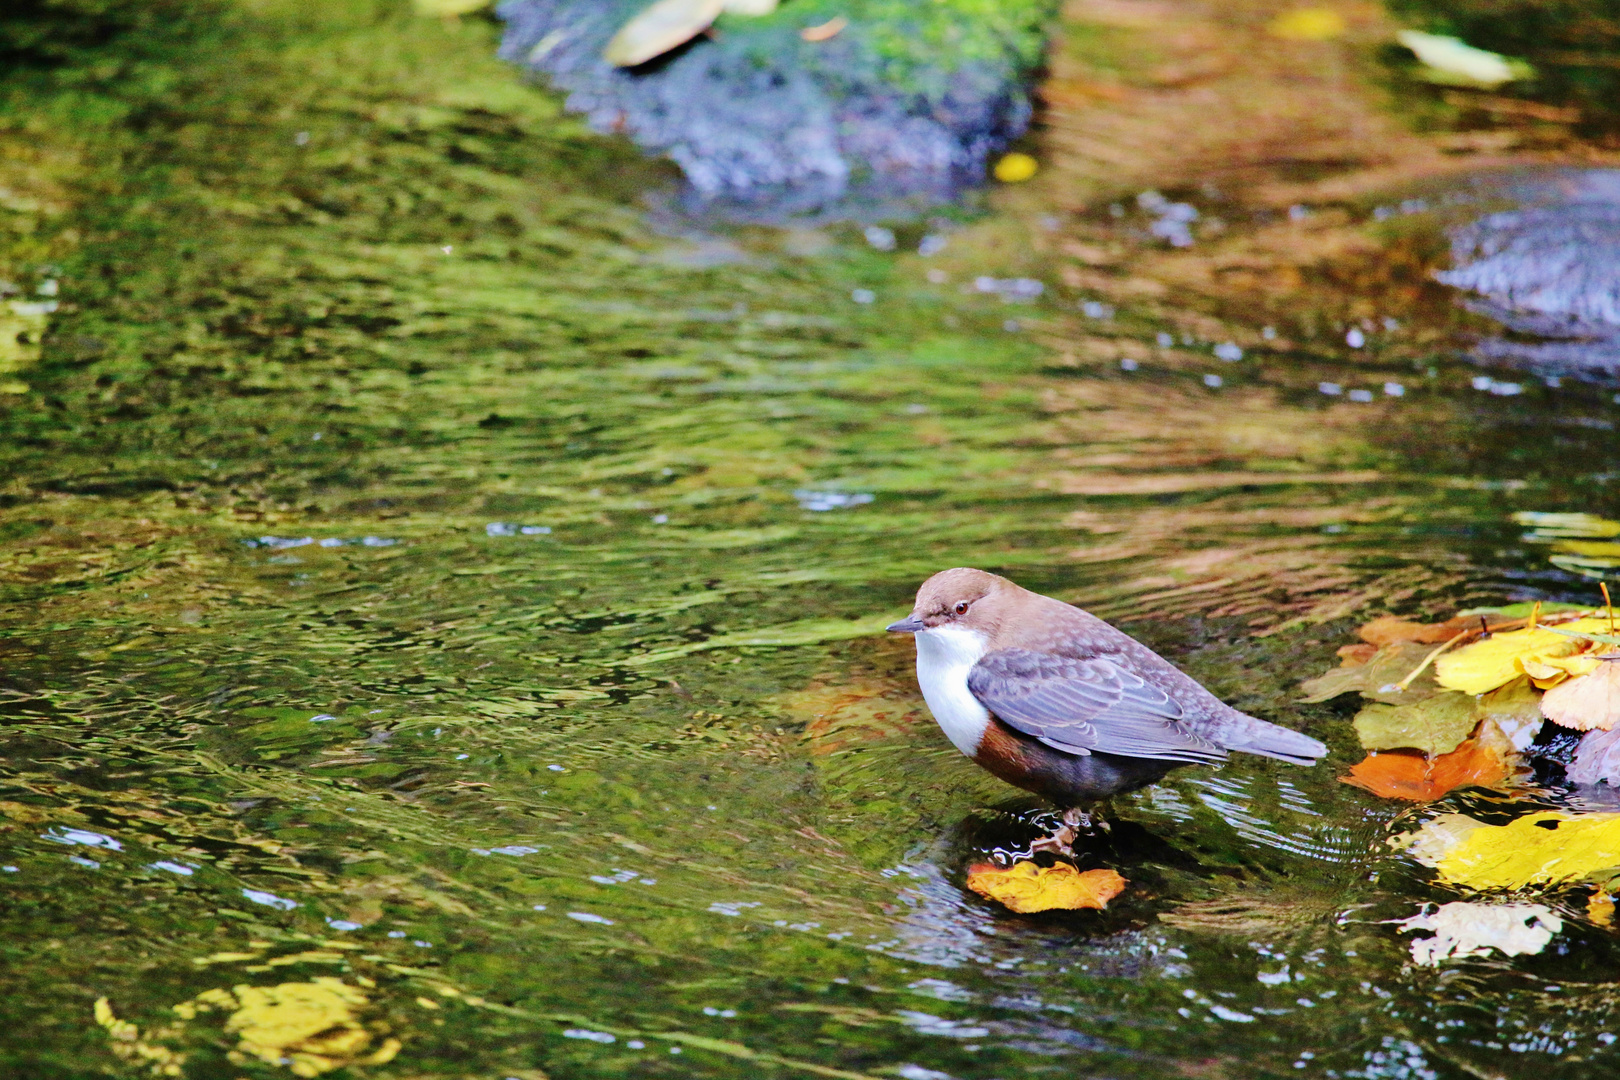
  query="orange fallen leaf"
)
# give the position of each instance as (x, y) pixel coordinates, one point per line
(1591, 701)
(1390, 630)
(1403, 775)
(1025, 887)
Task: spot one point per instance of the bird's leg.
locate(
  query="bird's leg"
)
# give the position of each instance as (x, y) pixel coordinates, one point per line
(1060, 842)
(1079, 822)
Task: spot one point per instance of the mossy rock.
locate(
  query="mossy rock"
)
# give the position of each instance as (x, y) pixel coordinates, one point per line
(912, 97)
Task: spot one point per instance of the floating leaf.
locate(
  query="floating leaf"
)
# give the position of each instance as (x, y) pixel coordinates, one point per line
(1561, 526)
(750, 7)
(1015, 168)
(1475, 763)
(1597, 759)
(1538, 849)
(1025, 887)
(1587, 703)
(1453, 62)
(1463, 928)
(660, 28)
(1390, 630)
(1308, 24)
(1435, 726)
(1388, 667)
(1499, 659)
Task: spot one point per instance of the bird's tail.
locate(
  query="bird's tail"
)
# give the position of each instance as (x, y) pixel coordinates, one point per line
(1269, 740)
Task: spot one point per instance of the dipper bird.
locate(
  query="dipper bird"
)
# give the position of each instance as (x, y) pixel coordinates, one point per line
(1052, 699)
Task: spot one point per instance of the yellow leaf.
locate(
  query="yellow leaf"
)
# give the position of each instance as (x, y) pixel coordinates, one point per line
(1308, 24)
(1500, 658)
(1537, 849)
(1547, 672)
(1016, 168)
(310, 1027)
(659, 28)
(1591, 701)
(1025, 887)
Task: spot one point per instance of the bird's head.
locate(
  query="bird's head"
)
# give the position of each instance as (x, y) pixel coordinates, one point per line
(971, 599)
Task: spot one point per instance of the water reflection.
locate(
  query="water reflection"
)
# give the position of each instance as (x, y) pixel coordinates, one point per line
(570, 721)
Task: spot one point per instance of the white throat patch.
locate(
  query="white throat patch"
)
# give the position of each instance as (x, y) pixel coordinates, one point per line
(944, 656)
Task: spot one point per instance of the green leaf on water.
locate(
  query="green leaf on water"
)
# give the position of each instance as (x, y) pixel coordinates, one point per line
(1435, 726)
(1388, 666)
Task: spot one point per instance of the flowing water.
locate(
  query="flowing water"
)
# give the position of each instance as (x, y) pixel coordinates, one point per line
(422, 569)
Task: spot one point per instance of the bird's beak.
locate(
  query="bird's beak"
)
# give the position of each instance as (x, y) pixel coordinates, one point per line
(908, 625)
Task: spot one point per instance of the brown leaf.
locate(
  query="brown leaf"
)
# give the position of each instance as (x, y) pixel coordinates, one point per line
(1402, 775)
(1600, 909)
(1591, 701)
(1390, 630)
(1025, 887)
(1356, 655)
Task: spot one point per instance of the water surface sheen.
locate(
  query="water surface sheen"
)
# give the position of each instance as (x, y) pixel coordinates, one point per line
(418, 572)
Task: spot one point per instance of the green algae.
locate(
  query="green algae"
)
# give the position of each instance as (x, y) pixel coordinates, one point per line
(368, 728)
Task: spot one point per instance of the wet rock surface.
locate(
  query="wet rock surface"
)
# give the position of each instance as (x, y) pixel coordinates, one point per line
(771, 124)
(1549, 272)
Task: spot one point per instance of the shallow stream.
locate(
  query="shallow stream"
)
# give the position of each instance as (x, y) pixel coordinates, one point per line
(422, 566)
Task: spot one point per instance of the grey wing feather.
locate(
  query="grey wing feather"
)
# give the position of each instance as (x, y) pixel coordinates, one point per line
(1078, 706)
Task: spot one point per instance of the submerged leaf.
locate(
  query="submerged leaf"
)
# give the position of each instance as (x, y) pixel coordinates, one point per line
(1463, 929)
(1387, 667)
(1515, 709)
(1308, 24)
(1476, 763)
(1025, 887)
(311, 1027)
(1435, 726)
(1587, 703)
(659, 28)
(1453, 62)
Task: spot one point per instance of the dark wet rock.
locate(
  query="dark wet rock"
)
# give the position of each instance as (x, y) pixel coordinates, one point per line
(1549, 271)
(910, 100)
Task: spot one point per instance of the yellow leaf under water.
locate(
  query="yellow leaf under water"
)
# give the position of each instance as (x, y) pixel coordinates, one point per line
(1015, 168)
(310, 1027)
(1308, 24)
(1025, 887)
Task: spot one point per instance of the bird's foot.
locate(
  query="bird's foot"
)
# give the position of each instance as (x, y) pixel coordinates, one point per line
(1083, 822)
(1060, 842)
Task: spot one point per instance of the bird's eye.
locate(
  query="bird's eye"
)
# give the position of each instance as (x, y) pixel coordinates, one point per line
(961, 607)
